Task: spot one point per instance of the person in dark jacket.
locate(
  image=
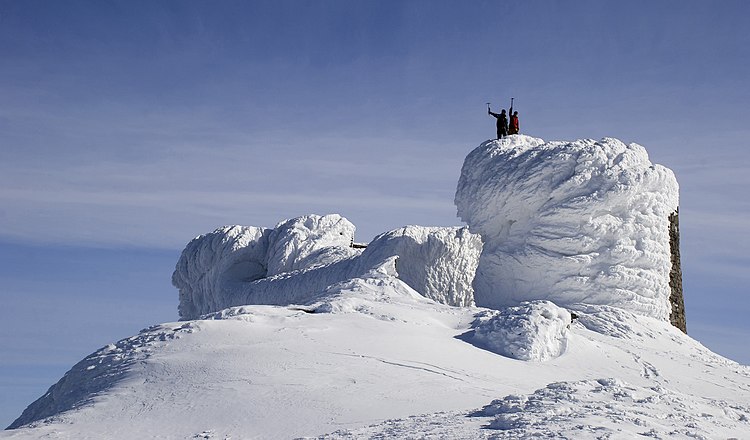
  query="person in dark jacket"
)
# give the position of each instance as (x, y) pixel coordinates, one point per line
(513, 127)
(502, 123)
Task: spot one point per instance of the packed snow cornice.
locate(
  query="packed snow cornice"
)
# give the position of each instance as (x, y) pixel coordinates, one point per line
(583, 222)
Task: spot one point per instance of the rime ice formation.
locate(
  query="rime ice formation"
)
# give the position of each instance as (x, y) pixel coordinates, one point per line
(238, 265)
(574, 223)
(532, 331)
(451, 255)
(300, 258)
(213, 264)
(308, 242)
(584, 222)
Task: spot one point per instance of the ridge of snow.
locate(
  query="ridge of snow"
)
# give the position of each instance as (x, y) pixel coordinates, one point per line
(84, 383)
(570, 222)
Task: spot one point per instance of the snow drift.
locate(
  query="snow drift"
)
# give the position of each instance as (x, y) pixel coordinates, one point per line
(581, 222)
(533, 331)
(300, 258)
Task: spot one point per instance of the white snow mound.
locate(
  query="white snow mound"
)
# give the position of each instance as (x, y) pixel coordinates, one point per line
(533, 331)
(302, 334)
(584, 222)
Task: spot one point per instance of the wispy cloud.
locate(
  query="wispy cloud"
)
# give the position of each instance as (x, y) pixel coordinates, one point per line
(173, 197)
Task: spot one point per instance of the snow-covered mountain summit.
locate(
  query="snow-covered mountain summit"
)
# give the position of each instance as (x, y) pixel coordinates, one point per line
(463, 332)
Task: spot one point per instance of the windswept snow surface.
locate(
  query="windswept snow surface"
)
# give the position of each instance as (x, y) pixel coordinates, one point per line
(290, 332)
(569, 222)
(604, 408)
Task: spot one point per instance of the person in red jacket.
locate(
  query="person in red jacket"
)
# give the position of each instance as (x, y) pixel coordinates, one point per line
(513, 126)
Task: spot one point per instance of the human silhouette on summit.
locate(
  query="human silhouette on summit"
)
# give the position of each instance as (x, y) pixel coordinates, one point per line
(502, 122)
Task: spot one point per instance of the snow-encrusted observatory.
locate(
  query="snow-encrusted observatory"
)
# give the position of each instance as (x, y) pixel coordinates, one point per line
(584, 222)
(576, 223)
(301, 257)
(451, 254)
(238, 265)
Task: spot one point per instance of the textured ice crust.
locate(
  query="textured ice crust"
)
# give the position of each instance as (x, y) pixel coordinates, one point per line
(308, 242)
(582, 222)
(451, 254)
(234, 265)
(299, 259)
(214, 263)
(532, 331)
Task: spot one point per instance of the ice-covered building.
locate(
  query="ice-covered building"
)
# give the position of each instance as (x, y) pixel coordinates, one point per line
(575, 223)
(300, 258)
(584, 222)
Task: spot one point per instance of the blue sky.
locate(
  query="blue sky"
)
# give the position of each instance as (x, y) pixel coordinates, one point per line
(127, 128)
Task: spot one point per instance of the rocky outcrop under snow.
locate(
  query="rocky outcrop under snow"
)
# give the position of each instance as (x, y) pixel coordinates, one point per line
(676, 298)
(584, 222)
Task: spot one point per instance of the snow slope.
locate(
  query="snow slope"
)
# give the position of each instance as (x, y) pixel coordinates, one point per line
(372, 349)
(290, 332)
